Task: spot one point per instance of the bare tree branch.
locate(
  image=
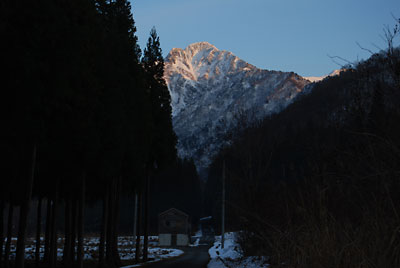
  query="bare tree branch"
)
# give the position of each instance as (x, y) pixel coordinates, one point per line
(334, 58)
(366, 49)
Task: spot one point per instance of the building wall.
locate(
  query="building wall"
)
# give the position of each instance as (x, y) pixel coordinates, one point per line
(171, 223)
(173, 227)
(182, 240)
(164, 240)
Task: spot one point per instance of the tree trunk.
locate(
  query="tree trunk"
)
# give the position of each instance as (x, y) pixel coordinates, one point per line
(53, 240)
(103, 229)
(73, 230)
(47, 232)
(67, 233)
(23, 218)
(116, 258)
(9, 235)
(109, 235)
(134, 221)
(1, 230)
(38, 231)
(138, 221)
(81, 221)
(146, 218)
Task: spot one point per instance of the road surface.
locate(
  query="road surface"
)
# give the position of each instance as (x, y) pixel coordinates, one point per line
(194, 257)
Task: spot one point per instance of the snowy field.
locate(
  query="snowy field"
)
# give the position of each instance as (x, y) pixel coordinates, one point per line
(231, 255)
(91, 249)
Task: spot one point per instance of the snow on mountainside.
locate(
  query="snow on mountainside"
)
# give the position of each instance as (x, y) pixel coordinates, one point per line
(210, 87)
(320, 78)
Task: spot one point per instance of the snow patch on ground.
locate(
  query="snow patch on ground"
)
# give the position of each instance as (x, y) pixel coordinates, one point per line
(196, 243)
(196, 239)
(126, 248)
(231, 256)
(157, 254)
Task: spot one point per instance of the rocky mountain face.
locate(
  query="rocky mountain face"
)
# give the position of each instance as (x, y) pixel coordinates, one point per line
(212, 90)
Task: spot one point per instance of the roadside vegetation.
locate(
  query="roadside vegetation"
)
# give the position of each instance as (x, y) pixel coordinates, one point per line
(317, 185)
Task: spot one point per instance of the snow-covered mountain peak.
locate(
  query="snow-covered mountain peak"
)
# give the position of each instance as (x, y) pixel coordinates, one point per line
(203, 61)
(199, 46)
(210, 88)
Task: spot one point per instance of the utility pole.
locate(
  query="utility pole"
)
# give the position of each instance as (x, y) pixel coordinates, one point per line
(223, 206)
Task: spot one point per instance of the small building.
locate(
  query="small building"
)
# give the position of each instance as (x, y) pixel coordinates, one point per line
(207, 226)
(173, 228)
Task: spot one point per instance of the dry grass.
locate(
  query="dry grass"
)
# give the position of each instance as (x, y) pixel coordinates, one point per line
(317, 236)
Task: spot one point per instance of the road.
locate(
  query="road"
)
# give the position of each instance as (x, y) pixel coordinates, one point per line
(194, 257)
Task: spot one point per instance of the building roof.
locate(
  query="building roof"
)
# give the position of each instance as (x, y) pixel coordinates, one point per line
(174, 211)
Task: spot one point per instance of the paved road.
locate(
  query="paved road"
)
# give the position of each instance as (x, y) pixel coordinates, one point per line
(195, 257)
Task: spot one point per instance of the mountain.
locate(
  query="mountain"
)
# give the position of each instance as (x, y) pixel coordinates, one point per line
(320, 78)
(212, 91)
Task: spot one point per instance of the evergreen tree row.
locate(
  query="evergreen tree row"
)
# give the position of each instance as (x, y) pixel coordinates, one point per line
(84, 117)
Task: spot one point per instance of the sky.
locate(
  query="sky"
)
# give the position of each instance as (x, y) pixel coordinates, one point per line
(284, 35)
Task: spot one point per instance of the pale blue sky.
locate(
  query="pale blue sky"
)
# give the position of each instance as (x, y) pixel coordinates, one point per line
(286, 35)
